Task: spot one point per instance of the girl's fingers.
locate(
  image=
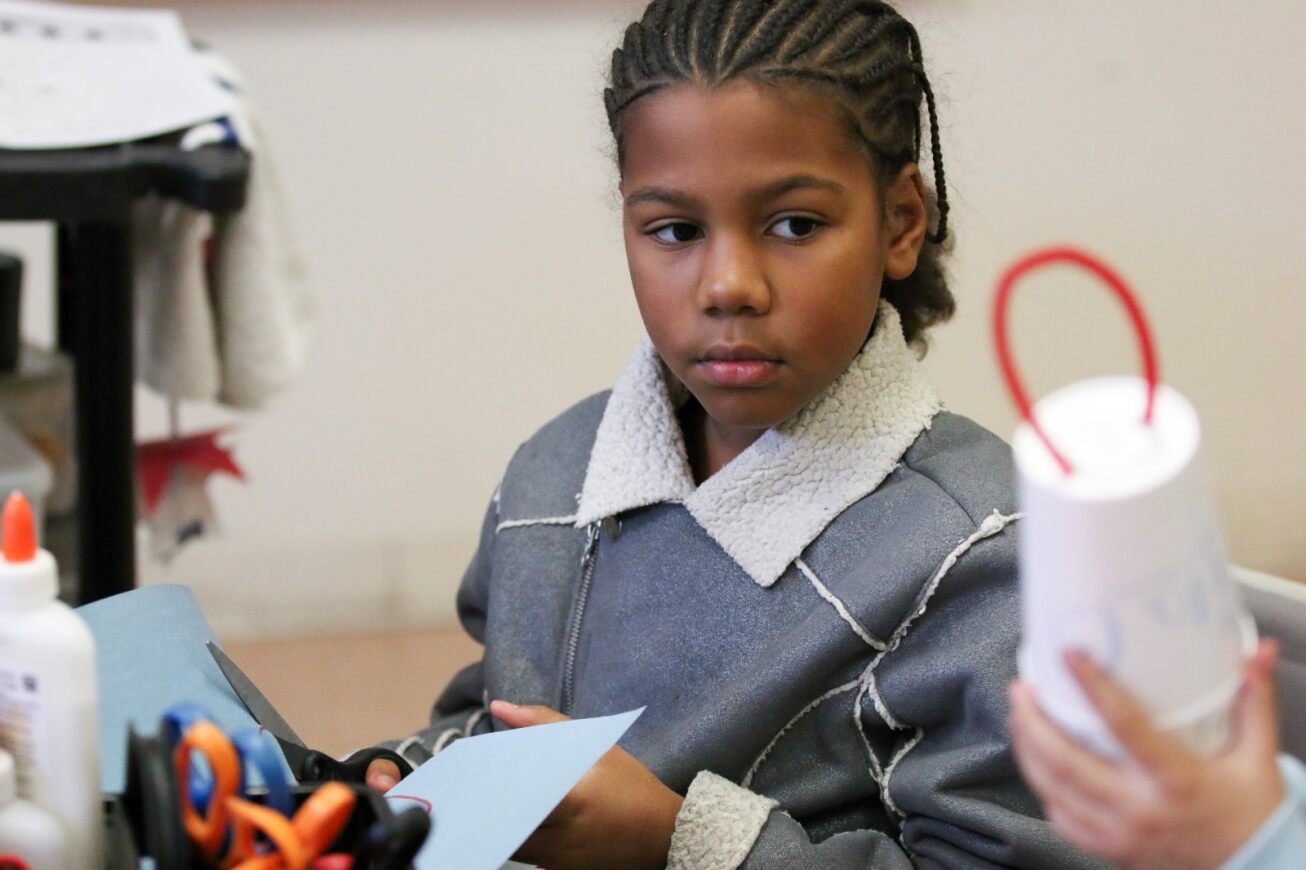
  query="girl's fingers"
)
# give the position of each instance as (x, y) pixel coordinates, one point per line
(1086, 831)
(1160, 755)
(1263, 661)
(1257, 720)
(521, 717)
(1060, 798)
(1055, 760)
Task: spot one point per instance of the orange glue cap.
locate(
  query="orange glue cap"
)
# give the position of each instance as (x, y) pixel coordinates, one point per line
(19, 530)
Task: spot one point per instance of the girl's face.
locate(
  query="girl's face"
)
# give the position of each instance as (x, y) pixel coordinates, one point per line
(757, 239)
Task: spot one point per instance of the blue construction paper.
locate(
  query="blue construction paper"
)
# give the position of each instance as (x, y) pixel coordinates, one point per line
(487, 794)
(150, 654)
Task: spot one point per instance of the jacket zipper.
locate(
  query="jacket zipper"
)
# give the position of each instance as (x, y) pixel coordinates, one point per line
(587, 561)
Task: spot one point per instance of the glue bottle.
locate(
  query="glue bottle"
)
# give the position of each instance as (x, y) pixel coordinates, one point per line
(48, 715)
(28, 834)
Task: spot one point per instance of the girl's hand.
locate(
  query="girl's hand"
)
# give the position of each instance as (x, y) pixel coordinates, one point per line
(1164, 807)
(618, 815)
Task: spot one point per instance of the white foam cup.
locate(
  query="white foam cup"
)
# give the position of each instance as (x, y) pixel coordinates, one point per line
(1123, 558)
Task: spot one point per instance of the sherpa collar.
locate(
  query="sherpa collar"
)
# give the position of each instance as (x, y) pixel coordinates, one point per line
(776, 497)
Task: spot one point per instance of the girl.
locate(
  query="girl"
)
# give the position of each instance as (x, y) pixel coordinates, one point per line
(769, 532)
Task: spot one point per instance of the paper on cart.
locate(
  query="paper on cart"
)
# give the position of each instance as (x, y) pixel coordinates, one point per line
(72, 77)
(150, 655)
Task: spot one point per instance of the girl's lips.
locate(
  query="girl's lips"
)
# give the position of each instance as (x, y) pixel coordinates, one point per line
(739, 372)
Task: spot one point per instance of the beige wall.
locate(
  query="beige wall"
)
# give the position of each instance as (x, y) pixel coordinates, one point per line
(447, 166)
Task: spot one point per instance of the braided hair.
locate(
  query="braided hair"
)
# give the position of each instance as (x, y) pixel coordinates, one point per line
(862, 54)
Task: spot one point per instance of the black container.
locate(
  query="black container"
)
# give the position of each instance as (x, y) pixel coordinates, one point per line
(119, 845)
(11, 292)
(145, 821)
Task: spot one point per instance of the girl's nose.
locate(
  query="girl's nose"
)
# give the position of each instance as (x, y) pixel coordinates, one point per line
(733, 280)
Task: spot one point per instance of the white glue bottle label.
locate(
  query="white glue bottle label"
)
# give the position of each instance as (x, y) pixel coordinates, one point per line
(28, 834)
(49, 721)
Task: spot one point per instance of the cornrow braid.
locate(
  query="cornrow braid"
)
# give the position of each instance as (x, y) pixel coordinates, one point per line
(709, 33)
(679, 39)
(861, 53)
(936, 147)
(769, 40)
(656, 30)
(643, 61)
(743, 23)
(862, 41)
(828, 18)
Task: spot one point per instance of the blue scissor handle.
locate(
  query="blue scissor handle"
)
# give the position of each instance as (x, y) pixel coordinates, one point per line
(255, 749)
(179, 717)
(176, 719)
(259, 751)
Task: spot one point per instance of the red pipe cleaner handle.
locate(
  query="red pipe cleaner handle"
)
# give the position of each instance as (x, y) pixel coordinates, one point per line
(1088, 262)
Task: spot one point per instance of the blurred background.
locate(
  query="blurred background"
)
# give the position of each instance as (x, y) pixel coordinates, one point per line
(449, 173)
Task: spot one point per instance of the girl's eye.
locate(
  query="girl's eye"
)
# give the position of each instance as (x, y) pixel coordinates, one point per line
(677, 233)
(795, 228)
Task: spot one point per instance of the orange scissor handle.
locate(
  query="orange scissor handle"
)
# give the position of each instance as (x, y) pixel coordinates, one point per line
(322, 817)
(315, 826)
(207, 830)
(248, 818)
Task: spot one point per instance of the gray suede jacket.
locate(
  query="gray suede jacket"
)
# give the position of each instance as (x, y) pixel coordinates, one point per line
(822, 632)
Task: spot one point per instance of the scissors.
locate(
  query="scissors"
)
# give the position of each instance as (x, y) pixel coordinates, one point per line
(205, 801)
(207, 827)
(308, 765)
(389, 844)
(253, 751)
(296, 841)
(392, 844)
(225, 821)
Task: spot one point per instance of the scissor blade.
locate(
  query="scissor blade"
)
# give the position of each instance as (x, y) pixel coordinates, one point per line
(255, 702)
(296, 754)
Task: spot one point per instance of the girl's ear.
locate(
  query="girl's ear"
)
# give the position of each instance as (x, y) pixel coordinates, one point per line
(905, 222)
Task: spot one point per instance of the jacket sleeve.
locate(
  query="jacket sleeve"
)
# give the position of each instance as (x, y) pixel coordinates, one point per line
(461, 711)
(950, 780)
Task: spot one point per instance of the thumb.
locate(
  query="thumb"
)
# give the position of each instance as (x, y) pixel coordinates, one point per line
(521, 717)
(1257, 712)
(382, 775)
